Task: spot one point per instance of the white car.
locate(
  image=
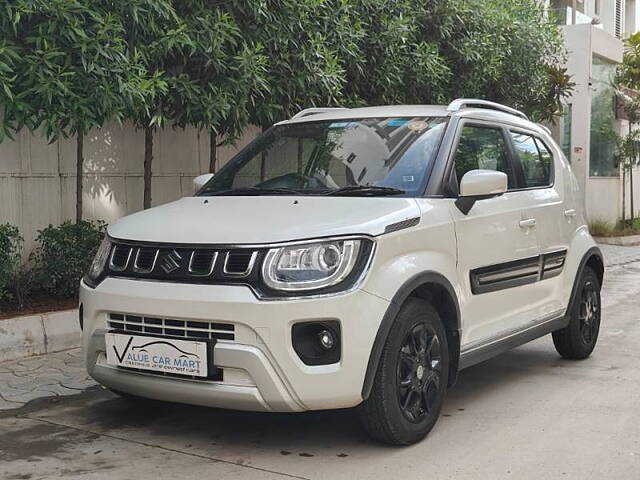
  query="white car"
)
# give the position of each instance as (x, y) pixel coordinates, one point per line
(349, 258)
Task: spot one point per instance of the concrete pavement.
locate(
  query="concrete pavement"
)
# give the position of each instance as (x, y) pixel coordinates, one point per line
(526, 414)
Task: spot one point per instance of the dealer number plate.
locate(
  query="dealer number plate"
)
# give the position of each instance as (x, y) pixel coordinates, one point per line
(182, 357)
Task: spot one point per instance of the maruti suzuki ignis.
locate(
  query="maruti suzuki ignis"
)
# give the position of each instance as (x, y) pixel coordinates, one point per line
(349, 258)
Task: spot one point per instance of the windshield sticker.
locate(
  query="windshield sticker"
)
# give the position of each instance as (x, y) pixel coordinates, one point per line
(342, 124)
(417, 126)
(397, 123)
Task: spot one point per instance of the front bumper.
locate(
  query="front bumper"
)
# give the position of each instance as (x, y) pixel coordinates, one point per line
(261, 370)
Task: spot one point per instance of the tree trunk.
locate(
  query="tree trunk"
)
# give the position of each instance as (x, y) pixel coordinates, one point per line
(624, 194)
(300, 154)
(148, 160)
(79, 172)
(213, 151)
(631, 193)
(263, 162)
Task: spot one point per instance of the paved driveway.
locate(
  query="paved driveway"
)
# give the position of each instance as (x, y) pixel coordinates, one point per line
(526, 414)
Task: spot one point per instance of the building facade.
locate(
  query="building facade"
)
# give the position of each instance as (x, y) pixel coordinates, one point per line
(594, 32)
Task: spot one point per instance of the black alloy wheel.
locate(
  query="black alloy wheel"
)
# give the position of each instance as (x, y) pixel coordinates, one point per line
(419, 372)
(577, 340)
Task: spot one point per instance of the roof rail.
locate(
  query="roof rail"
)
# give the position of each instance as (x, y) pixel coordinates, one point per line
(461, 103)
(545, 128)
(313, 111)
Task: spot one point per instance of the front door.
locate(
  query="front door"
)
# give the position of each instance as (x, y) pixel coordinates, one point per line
(498, 252)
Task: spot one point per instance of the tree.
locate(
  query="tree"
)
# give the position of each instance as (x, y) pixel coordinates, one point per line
(627, 154)
(221, 76)
(73, 73)
(627, 84)
(307, 44)
(432, 52)
(153, 34)
(196, 52)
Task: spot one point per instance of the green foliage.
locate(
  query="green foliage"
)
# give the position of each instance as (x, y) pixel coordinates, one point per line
(307, 44)
(602, 228)
(64, 253)
(629, 69)
(70, 66)
(432, 52)
(10, 252)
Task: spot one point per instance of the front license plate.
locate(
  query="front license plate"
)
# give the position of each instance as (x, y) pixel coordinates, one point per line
(182, 357)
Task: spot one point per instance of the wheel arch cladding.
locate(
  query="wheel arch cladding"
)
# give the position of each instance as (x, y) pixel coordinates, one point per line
(592, 258)
(436, 289)
(595, 261)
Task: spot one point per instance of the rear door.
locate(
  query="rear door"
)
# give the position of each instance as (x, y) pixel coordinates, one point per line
(498, 250)
(552, 212)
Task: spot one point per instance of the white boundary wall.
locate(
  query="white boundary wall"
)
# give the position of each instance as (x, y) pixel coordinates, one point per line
(37, 179)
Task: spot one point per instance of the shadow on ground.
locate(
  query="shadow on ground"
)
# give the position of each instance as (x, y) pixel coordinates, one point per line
(100, 411)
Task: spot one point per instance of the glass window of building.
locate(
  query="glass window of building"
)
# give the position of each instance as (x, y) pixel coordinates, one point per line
(603, 132)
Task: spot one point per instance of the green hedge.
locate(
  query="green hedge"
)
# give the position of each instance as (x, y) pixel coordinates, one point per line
(10, 261)
(61, 257)
(63, 254)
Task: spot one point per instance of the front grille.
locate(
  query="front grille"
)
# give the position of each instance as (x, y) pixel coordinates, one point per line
(135, 324)
(120, 257)
(145, 260)
(202, 262)
(239, 262)
(183, 263)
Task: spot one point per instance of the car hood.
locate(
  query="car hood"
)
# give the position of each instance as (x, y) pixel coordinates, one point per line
(262, 219)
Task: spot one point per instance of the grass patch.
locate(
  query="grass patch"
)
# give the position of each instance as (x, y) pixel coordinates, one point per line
(602, 228)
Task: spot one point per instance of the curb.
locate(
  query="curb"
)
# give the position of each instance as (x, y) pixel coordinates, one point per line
(30, 335)
(628, 241)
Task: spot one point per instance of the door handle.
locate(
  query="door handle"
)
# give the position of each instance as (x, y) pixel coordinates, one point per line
(528, 223)
(570, 213)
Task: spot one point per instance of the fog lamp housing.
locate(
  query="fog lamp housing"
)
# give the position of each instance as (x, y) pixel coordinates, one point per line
(317, 342)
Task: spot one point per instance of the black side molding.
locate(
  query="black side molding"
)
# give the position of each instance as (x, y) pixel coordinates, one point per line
(517, 272)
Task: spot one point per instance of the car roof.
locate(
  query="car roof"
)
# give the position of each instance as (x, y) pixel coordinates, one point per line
(483, 114)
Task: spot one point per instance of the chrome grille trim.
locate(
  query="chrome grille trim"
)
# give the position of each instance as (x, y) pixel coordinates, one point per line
(115, 267)
(137, 269)
(252, 261)
(214, 259)
(169, 327)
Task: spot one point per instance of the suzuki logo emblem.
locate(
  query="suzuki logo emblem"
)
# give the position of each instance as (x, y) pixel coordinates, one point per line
(171, 262)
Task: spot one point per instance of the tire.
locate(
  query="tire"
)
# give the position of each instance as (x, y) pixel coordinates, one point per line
(578, 339)
(411, 380)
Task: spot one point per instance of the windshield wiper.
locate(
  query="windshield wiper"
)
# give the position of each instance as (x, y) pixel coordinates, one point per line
(255, 191)
(366, 190)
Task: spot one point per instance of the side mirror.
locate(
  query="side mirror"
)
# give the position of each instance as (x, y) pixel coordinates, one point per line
(478, 185)
(200, 180)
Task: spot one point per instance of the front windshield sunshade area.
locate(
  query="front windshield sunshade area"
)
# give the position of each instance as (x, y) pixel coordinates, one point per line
(371, 156)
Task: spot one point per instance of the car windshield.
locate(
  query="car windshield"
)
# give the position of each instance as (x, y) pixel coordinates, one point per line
(371, 156)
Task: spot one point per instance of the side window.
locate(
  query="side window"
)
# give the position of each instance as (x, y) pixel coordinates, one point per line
(547, 160)
(485, 148)
(536, 163)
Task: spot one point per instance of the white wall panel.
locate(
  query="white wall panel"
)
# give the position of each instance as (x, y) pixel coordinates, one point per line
(42, 156)
(603, 200)
(11, 200)
(165, 189)
(40, 206)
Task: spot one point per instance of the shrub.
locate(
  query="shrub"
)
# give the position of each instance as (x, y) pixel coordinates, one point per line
(600, 228)
(63, 255)
(10, 253)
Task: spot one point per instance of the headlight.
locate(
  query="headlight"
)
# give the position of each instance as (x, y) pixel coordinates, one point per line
(100, 260)
(310, 266)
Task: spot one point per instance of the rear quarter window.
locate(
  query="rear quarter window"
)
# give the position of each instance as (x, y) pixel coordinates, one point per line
(535, 158)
